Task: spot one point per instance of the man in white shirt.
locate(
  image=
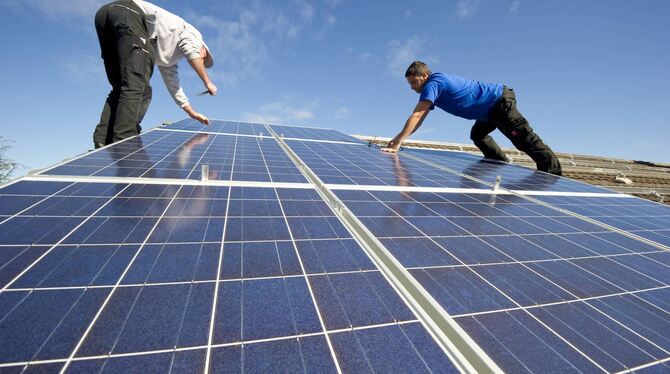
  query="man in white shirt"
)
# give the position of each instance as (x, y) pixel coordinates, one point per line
(133, 35)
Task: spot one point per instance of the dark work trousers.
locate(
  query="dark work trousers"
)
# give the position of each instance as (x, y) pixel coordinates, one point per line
(129, 62)
(505, 117)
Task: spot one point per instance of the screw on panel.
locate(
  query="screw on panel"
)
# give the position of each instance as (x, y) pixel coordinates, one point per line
(204, 173)
(261, 135)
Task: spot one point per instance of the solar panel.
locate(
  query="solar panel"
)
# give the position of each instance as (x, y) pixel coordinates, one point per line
(163, 276)
(361, 165)
(637, 216)
(311, 133)
(488, 268)
(304, 250)
(180, 155)
(513, 177)
(220, 127)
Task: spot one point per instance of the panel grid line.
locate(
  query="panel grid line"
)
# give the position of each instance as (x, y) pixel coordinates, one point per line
(304, 272)
(476, 359)
(204, 347)
(111, 293)
(519, 306)
(218, 274)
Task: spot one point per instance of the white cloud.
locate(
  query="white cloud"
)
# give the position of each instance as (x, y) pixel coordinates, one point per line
(284, 111)
(237, 49)
(246, 41)
(514, 8)
(466, 8)
(403, 52)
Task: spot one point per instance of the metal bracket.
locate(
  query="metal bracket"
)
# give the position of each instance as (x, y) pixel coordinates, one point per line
(496, 185)
(204, 172)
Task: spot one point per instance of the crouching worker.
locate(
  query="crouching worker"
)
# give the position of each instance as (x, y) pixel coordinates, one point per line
(491, 105)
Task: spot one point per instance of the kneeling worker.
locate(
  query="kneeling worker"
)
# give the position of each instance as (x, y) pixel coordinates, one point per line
(491, 105)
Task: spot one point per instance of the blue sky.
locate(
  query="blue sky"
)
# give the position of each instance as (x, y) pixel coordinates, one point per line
(591, 76)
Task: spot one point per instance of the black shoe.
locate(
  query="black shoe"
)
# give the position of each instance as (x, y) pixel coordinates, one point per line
(98, 145)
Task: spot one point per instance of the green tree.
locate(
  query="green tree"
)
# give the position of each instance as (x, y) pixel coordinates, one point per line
(7, 166)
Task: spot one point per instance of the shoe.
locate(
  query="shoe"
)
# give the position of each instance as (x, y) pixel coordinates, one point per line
(98, 145)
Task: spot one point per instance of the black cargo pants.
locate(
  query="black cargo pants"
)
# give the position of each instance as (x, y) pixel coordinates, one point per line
(129, 62)
(505, 117)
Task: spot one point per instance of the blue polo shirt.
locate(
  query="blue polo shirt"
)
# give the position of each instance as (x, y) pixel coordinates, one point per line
(459, 96)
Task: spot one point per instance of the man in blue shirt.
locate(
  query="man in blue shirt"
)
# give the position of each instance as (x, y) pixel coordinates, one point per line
(491, 105)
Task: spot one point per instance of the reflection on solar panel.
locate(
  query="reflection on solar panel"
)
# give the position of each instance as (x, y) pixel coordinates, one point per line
(310, 252)
(513, 177)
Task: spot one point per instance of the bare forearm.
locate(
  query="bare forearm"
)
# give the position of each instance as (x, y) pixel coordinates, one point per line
(412, 123)
(199, 67)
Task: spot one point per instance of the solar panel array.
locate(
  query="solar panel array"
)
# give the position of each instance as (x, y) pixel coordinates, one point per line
(129, 259)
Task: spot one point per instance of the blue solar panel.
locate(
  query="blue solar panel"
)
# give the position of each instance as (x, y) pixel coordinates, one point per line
(640, 217)
(361, 165)
(312, 133)
(220, 127)
(505, 269)
(244, 273)
(131, 280)
(513, 177)
(179, 155)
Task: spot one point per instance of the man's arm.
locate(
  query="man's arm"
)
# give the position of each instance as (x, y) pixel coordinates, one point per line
(170, 76)
(198, 66)
(411, 125)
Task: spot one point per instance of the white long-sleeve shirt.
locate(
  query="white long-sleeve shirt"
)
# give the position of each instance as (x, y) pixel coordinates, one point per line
(175, 38)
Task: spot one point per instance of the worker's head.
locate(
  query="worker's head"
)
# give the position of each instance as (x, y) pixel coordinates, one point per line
(417, 75)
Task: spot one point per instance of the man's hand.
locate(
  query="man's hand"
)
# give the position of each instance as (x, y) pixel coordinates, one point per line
(199, 117)
(211, 88)
(390, 149)
(394, 145)
(195, 115)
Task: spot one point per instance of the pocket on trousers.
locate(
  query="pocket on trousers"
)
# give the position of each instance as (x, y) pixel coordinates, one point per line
(516, 133)
(140, 61)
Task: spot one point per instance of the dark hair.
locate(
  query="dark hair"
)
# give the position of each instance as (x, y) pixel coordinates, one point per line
(417, 68)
